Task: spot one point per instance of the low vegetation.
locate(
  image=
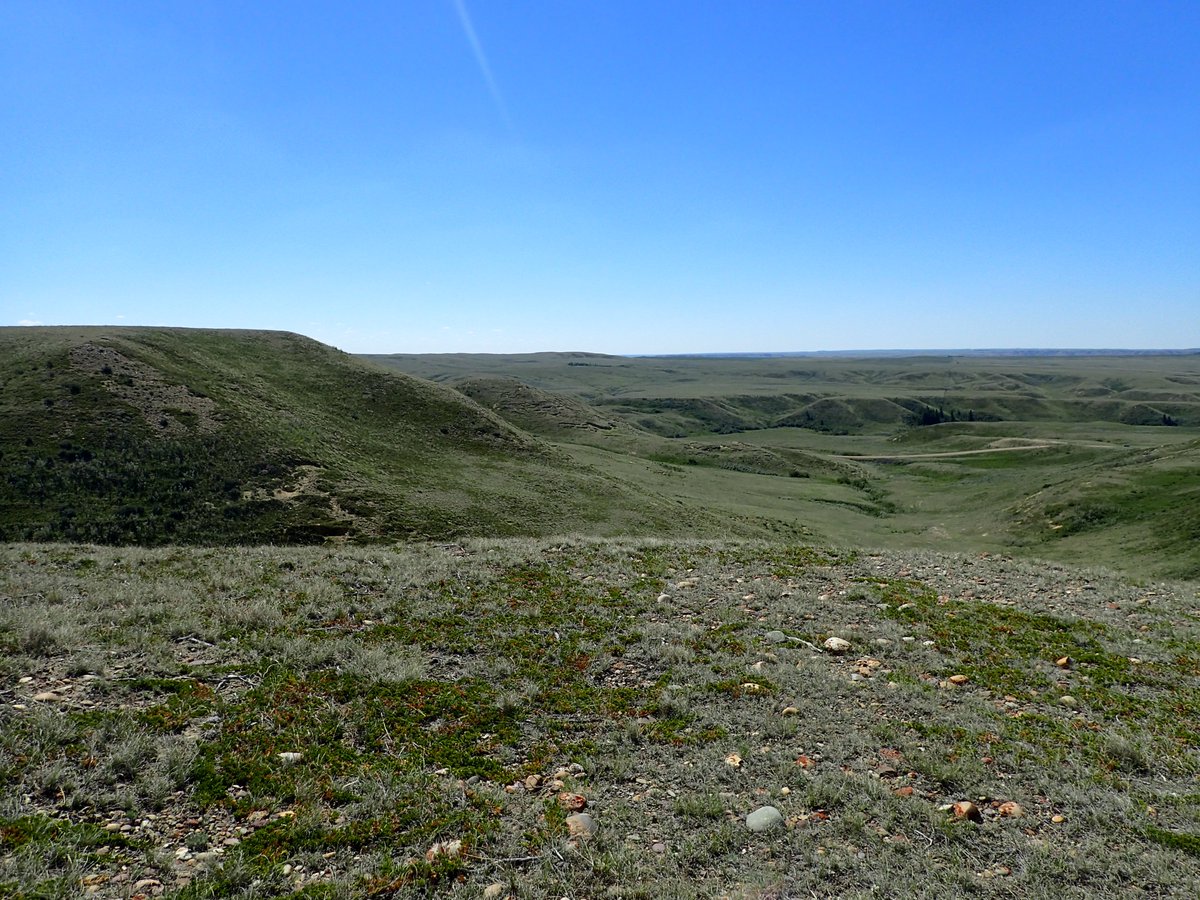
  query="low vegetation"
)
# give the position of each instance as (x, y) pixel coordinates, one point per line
(280, 622)
(1071, 457)
(178, 436)
(329, 722)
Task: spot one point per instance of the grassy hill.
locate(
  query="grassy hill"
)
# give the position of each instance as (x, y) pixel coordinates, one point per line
(157, 436)
(152, 436)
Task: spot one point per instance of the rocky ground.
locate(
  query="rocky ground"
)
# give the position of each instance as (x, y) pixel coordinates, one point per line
(590, 720)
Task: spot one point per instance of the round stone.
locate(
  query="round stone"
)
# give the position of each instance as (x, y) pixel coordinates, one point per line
(764, 818)
(581, 825)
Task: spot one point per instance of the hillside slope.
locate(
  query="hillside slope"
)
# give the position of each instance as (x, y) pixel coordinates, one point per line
(1080, 459)
(124, 435)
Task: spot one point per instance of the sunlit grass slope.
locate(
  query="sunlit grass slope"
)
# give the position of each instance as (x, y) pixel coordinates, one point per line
(148, 436)
(1081, 458)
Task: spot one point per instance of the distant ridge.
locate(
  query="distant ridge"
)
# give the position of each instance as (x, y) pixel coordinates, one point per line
(891, 354)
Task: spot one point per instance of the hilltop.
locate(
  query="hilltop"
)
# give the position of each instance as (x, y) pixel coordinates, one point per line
(152, 436)
(423, 720)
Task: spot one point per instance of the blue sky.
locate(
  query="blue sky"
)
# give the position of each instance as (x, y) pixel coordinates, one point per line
(623, 177)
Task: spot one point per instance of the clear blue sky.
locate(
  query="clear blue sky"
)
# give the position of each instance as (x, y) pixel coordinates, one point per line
(625, 177)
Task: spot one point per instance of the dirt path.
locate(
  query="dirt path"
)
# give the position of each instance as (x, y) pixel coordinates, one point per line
(945, 454)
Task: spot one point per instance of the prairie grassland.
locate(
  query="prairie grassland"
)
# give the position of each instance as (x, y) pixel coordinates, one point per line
(327, 722)
(1075, 458)
(153, 437)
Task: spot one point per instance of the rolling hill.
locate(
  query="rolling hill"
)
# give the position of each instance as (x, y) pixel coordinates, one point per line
(177, 436)
(1080, 458)
(150, 436)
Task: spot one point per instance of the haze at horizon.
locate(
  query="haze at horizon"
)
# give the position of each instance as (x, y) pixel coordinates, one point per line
(448, 176)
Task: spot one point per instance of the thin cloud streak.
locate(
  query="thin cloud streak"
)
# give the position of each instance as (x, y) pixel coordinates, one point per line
(464, 17)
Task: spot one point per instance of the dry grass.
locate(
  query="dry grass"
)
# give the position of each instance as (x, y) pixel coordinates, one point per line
(423, 685)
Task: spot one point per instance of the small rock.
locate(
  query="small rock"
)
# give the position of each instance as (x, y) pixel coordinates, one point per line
(805, 762)
(995, 872)
(290, 757)
(532, 781)
(45, 696)
(965, 809)
(493, 891)
(1010, 809)
(25, 679)
(836, 645)
(1058, 820)
(905, 791)
(734, 761)
(1068, 701)
(663, 598)
(581, 825)
(658, 847)
(287, 869)
(764, 819)
(776, 637)
(449, 849)
(958, 679)
(1063, 662)
(790, 711)
(572, 802)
